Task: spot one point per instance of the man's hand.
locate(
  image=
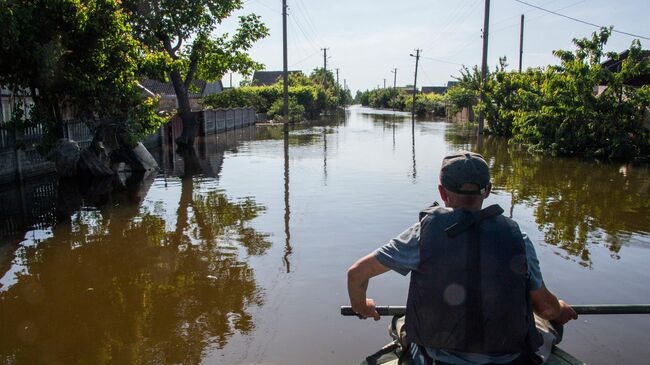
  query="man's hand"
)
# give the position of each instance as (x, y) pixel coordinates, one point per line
(566, 313)
(367, 310)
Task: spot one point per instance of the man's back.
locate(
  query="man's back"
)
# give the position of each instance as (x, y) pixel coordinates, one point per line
(470, 290)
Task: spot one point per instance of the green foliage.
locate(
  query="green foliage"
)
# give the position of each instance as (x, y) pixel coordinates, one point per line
(308, 92)
(460, 97)
(186, 32)
(397, 99)
(427, 104)
(80, 54)
(296, 111)
(575, 108)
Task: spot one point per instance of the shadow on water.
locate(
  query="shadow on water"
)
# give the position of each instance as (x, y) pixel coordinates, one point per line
(576, 203)
(116, 279)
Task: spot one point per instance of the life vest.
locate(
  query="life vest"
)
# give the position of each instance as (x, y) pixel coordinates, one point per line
(470, 292)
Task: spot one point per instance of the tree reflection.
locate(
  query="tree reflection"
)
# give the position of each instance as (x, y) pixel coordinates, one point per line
(117, 286)
(576, 203)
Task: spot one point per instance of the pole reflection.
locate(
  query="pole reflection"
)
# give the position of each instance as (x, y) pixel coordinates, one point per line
(287, 209)
(414, 172)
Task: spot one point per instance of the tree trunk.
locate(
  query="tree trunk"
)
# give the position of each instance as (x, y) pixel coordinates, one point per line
(186, 140)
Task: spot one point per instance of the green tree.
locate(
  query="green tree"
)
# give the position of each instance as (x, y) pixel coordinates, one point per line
(77, 55)
(185, 32)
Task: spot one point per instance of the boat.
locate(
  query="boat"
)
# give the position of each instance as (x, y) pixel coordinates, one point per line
(392, 352)
(390, 355)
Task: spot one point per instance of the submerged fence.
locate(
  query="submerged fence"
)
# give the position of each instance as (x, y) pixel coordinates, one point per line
(19, 159)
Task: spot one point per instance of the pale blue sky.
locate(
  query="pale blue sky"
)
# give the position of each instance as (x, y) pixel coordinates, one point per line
(368, 38)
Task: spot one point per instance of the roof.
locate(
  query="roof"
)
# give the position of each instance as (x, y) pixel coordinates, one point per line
(615, 66)
(268, 78)
(214, 87)
(199, 88)
(434, 89)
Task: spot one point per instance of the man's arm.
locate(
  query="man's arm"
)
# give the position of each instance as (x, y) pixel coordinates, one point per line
(547, 306)
(358, 276)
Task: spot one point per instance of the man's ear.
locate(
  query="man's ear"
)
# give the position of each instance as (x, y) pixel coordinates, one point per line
(443, 194)
(488, 190)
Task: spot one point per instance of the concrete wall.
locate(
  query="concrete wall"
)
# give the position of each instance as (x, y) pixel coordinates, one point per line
(220, 120)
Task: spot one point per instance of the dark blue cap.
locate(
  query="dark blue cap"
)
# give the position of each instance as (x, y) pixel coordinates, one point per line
(462, 168)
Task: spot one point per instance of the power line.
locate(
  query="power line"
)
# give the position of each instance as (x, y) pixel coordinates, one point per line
(531, 19)
(580, 21)
(442, 61)
(306, 58)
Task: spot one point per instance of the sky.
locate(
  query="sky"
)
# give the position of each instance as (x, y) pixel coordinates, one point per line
(367, 39)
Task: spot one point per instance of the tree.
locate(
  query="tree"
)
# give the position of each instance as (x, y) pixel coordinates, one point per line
(78, 55)
(184, 31)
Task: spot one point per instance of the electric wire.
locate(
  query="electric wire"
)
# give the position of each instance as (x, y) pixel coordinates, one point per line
(580, 20)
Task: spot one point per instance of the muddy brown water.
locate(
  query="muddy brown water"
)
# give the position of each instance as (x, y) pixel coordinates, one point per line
(236, 254)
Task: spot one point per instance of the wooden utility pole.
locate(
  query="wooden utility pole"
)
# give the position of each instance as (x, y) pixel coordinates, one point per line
(337, 77)
(231, 80)
(521, 43)
(394, 79)
(285, 71)
(415, 82)
(486, 32)
(384, 83)
(325, 66)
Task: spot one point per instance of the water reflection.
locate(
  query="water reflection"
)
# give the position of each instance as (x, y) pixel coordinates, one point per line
(576, 203)
(116, 280)
(287, 209)
(414, 169)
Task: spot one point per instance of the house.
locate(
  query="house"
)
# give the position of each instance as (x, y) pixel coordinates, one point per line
(168, 101)
(440, 90)
(268, 78)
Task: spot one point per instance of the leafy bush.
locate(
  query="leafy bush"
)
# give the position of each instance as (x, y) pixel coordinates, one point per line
(296, 111)
(575, 108)
(313, 97)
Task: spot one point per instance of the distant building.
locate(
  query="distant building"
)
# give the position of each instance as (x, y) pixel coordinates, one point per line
(268, 78)
(168, 101)
(440, 90)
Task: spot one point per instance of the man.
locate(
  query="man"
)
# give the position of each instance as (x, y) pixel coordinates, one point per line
(475, 278)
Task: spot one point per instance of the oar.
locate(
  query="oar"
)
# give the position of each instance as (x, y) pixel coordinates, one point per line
(580, 309)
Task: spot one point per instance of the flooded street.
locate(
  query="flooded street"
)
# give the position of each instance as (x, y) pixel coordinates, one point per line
(237, 254)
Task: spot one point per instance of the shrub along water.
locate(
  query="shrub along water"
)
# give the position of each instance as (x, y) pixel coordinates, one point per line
(398, 99)
(308, 97)
(577, 107)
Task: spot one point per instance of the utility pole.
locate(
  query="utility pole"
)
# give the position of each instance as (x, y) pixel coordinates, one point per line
(415, 82)
(285, 73)
(394, 79)
(486, 32)
(231, 80)
(324, 66)
(337, 77)
(521, 43)
(384, 83)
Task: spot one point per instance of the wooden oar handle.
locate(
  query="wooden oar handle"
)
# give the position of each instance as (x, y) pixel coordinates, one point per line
(580, 309)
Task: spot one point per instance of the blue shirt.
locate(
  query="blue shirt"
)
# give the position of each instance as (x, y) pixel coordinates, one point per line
(402, 254)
